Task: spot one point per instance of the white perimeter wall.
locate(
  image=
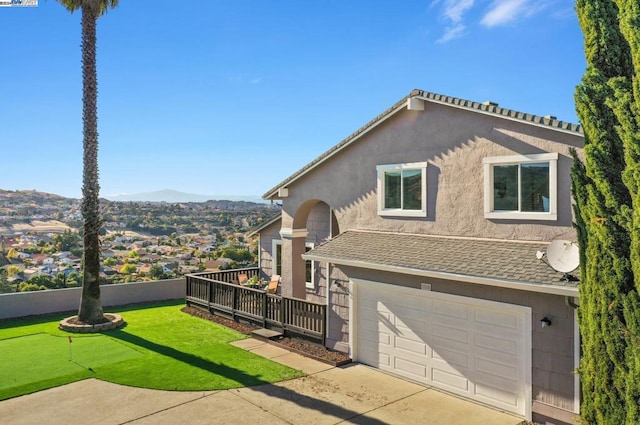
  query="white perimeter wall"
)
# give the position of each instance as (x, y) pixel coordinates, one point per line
(58, 300)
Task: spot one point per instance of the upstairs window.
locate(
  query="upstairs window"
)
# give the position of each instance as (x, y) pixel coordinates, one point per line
(522, 187)
(402, 189)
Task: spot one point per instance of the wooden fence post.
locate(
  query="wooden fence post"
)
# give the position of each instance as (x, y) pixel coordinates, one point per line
(284, 313)
(264, 299)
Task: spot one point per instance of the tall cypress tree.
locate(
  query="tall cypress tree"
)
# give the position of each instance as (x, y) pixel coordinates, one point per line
(627, 110)
(607, 198)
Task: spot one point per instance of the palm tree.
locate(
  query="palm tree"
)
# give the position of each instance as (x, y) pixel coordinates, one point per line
(90, 310)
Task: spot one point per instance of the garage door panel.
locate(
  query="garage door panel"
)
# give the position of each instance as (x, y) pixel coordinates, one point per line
(411, 345)
(450, 322)
(384, 360)
(375, 358)
(495, 343)
(508, 400)
(370, 304)
(413, 305)
(497, 369)
(496, 319)
(410, 334)
(442, 345)
(380, 321)
(449, 381)
(457, 359)
(447, 333)
(451, 310)
(471, 347)
(416, 324)
(376, 338)
(497, 357)
(410, 369)
(382, 314)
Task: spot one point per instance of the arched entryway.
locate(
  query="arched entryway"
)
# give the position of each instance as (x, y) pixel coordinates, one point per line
(313, 223)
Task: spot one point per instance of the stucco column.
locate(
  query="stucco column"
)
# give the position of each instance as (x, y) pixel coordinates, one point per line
(293, 266)
(286, 288)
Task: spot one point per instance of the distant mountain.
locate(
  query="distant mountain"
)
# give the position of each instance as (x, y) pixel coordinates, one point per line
(30, 195)
(168, 195)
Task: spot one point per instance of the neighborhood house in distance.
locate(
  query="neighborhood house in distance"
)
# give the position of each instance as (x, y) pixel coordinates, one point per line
(41, 248)
(420, 232)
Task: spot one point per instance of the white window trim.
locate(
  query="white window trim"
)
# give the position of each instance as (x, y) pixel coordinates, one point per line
(274, 254)
(312, 284)
(489, 162)
(422, 212)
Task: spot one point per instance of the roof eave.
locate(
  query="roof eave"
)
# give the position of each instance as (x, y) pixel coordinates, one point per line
(504, 113)
(493, 110)
(398, 106)
(569, 291)
(264, 225)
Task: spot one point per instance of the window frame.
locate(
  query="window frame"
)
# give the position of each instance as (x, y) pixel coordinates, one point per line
(400, 212)
(312, 284)
(490, 162)
(274, 257)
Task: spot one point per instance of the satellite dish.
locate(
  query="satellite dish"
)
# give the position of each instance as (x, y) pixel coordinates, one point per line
(563, 256)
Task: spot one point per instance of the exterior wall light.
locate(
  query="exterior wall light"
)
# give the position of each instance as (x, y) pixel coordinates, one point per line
(545, 322)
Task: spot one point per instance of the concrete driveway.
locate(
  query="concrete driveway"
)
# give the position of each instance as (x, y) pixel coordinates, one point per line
(353, 394)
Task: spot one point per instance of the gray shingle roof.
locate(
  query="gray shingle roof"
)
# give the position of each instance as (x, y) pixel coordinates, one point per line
(492, 259)
(486, 107)
(264, 225)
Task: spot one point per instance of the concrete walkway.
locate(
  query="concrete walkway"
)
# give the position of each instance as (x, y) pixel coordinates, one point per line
(353, 394)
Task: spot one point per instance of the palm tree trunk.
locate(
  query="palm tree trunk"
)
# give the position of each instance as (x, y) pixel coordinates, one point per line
(90, 310)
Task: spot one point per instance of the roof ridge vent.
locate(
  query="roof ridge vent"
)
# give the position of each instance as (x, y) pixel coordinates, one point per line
(489, 103)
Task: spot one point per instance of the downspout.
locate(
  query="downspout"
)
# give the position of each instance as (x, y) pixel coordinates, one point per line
(328, 295)
(570, 303)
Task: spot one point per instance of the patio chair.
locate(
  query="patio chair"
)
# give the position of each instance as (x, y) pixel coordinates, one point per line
(272, 287)
(242, 279)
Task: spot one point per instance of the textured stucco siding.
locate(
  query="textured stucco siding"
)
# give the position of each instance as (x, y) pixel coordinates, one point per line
(318, 231)
(453, 142)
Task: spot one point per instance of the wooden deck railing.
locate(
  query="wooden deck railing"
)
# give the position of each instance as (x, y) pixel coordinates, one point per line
(216, 292)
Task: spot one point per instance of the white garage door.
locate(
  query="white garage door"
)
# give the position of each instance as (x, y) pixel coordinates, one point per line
(475, 348)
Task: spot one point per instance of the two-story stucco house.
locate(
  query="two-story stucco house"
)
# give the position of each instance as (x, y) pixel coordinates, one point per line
(420, 232)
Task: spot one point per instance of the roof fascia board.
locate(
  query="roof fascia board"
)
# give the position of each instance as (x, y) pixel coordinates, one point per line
(403, 104)
(508, 284)
(495, 114)
(338, 148)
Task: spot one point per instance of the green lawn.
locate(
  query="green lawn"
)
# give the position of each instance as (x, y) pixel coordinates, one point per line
(160, 347)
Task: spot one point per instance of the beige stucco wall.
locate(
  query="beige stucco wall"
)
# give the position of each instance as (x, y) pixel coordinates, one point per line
(453, 142)
(318, 231)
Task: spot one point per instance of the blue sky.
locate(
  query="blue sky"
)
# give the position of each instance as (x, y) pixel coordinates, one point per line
(231, 97)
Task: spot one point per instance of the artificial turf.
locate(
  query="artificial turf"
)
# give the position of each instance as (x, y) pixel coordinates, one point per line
(160, 347)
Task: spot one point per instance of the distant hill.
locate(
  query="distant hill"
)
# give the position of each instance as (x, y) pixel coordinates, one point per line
(168, 195)
(31, 195)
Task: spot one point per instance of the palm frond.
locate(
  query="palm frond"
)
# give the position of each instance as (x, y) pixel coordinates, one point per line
(98, 7)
